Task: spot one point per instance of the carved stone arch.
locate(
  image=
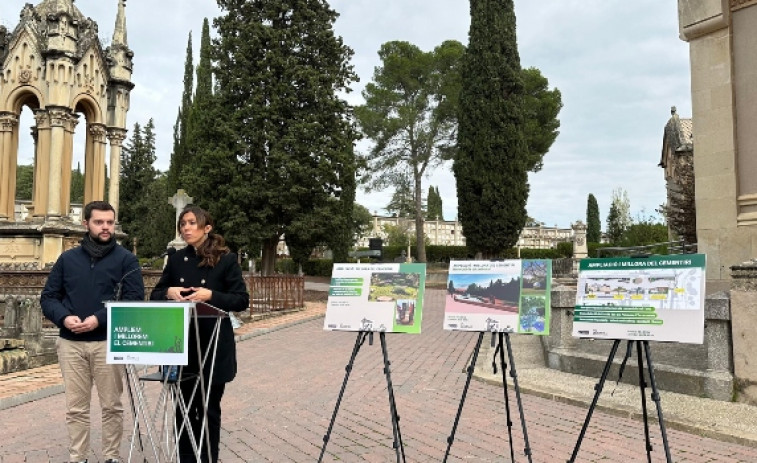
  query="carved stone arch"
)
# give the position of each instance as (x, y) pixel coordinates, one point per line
(90, 107)
(95, 145)
(24, 96)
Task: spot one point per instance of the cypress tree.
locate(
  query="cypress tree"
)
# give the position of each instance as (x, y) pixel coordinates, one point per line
(178, 157)
(279, 69)
(593, 224)
(493, 157)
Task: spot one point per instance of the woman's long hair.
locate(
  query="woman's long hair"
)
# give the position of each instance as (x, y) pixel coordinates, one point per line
(214, 247)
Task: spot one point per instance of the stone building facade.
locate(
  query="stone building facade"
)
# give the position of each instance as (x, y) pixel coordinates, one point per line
(721, 36)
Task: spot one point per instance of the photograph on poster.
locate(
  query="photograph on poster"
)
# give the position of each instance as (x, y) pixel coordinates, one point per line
(393, 286)
(376, 297)
(502, 296)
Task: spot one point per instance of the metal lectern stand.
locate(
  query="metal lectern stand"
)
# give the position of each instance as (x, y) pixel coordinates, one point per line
(165, 422)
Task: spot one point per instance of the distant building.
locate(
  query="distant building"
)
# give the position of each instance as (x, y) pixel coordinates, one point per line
(450, 233)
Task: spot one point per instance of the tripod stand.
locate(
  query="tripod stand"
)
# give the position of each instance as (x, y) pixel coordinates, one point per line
(397, 443)
(642, 386)
(503, 366)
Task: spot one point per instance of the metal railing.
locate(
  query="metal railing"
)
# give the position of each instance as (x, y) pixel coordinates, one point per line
(667, 247)
(275, 293)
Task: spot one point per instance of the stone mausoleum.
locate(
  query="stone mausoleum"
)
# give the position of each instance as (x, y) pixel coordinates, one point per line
(53, 63)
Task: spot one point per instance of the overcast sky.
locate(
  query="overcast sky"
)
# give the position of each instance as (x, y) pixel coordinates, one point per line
(619, 65)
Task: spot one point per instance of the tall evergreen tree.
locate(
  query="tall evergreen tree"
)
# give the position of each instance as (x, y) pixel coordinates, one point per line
(493, 159)
(410, 114)
(434, 204)
(619, 217)
(136, 200)
(593, 224)
(179, 156)
(402, 203)
(279, 69)
(24, 182)
(77, 185)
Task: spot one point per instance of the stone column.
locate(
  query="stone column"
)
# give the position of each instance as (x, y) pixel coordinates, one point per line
(743, 321)
(94, 164)
(580, 249)
(58, 119)
(67, 162)
(41, 163)
(8, 125)
(116, 136)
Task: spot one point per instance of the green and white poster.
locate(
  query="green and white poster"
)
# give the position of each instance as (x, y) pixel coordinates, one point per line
(376, 297)
(658, 298)
(148, 333)
(510, 296)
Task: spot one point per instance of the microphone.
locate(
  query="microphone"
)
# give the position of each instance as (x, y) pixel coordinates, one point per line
(119, 286)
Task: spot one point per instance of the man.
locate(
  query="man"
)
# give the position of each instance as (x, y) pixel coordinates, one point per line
(79, 282)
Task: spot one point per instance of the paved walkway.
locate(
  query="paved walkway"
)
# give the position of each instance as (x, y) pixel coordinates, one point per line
(280, 405)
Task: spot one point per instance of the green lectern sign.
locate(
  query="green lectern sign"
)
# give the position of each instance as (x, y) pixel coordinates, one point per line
(148, 333)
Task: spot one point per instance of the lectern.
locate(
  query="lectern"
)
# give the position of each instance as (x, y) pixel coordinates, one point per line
(156, 333)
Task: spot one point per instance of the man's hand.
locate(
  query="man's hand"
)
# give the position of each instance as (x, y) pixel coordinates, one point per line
(71, 321)
(89, 324)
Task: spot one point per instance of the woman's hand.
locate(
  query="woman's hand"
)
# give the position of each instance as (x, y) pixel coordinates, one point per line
(199, 294)
(177, 293)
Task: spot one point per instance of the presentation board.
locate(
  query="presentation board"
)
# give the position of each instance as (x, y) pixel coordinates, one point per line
(376, 297)
(657, 298)
(148, 333)
(500, 296)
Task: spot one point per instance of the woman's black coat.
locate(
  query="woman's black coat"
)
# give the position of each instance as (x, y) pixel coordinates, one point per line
(229, 293)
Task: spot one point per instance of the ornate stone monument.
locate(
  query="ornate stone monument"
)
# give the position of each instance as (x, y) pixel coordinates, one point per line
(53, 63)
(580, 248)
(179, 201)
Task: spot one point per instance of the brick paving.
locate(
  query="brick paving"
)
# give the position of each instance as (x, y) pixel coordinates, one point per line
(279, 407)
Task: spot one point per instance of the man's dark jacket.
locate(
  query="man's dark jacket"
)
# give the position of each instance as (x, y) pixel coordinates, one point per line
(80, 284)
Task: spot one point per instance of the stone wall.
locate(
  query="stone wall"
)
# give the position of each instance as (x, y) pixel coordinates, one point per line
(25, 342)
(744, 313)
(701, 370)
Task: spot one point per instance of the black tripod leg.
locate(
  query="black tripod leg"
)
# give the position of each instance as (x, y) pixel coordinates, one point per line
(656, 398)
(399, 448)
(358, 343)
(598, 388)
(514, 376)
(503, 367)
(642, 388)
(472, 365)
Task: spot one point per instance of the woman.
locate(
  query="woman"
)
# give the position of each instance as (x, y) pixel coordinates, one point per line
(204, 271)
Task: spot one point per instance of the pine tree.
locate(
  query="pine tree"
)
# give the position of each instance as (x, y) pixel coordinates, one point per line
(593, 224)
(493, 159)
(285, 131)
(410, 115)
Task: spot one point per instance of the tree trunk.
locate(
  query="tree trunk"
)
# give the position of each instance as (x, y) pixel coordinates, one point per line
(268, 261)
(420, 242)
